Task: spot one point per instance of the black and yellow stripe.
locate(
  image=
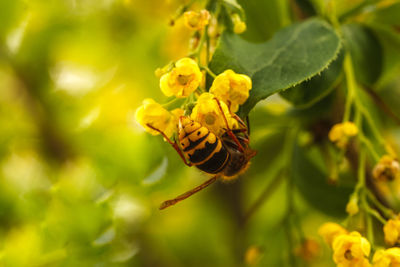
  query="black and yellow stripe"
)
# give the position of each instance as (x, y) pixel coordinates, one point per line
(202, 147)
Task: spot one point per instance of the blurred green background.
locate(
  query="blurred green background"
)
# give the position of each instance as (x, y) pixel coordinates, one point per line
(81, 182)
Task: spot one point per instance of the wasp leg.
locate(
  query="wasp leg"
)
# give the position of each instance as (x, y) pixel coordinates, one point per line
(244, 138)
(173, 144)
(229, 131)
(179, 198)
(246, 129)
(241, 122)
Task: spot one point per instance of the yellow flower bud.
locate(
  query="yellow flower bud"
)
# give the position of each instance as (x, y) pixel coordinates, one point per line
(196, 20)
(342, 132)
(387, 169)
(329, 231)
(351, 250)
(352, 205)
(386, 258)
(208, 113)
(182, 80)
(231, 88)
(158, 117)
(350, 129)
(238, 25)
(392, 231)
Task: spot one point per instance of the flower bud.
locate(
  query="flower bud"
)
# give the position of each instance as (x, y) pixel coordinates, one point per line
(196, 20)
(238, 25)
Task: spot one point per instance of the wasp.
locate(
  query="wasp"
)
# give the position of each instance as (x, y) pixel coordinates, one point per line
(224, 156)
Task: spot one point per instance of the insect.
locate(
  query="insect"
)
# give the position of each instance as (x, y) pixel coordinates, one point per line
(224, 156)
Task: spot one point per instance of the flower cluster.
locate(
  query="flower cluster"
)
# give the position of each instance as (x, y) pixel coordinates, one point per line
(349, 249)
(387, 169)
(342, 132)
(212, 109)
(185, 79)
(352, 249)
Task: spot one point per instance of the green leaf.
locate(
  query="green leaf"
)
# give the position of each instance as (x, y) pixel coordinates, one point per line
(309, 92)
(390, 41)
(311, 179)
(264, 18)
(388, 15)
(292, 56)
(366, 52)
(390, 94)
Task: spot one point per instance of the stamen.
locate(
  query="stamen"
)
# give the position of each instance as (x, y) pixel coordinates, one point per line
(348, 255)
(183, 79)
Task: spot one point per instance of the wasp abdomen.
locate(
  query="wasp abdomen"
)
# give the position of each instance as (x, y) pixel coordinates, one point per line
(198, 155)
(202, 147)
(216, 162)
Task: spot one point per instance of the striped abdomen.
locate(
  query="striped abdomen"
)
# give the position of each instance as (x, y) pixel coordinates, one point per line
(202, 147)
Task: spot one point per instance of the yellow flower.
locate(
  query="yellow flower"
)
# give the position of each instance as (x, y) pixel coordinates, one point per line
(208, 113)
(387, 258)
(387, 169)
(196, 20)
(392, 231)
(182, 80)
(352, 205)
(231, 88)
(329, 231)
(341, 132)
(154, 114)
(238, 25)
(351, 250)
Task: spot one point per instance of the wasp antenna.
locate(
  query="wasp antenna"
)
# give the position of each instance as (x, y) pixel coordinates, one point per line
(179, 198)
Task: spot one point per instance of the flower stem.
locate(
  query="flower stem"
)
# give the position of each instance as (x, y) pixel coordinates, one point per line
(210, 72)
(370, 147)
(385, 210)
(174, 102)
(376, 215)
(351, 86)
